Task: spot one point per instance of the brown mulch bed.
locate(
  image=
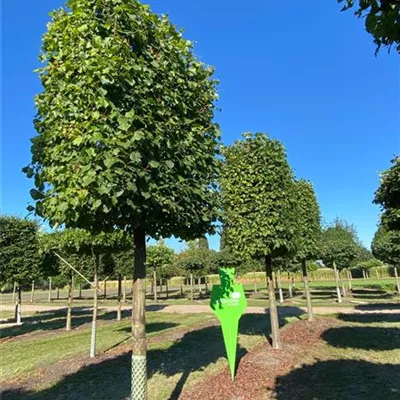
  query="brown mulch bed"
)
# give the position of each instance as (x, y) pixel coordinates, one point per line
(259, 368)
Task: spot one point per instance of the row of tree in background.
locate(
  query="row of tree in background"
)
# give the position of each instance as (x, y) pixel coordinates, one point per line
(270, 220)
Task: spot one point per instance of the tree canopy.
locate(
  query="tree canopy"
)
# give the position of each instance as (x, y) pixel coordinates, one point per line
(308, 220)
(386, 245)
(382, 20)
(125, 136)
(19, 250)
(388, 195)
(339, 244)
(159, 256)
(258, 197)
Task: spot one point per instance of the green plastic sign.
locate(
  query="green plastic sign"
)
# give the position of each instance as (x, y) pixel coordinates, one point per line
(228, 302)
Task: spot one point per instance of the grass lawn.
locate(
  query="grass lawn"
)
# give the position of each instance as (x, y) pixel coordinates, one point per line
(20, 357)
(172, 363)
(358, 360)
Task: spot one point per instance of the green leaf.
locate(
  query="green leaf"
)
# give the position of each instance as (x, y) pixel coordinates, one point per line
(146, 195)
(124, 123)
(78, 140)
(154, 164)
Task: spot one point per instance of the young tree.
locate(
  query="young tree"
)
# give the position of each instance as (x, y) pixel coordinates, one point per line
(158, 257)
(382, 20)
(386, 247)
(388, 194)
(258, 205)
(19, 255)
(195, 261)
(123, 268)
(339, 246)
(74, 242)
(309, 232)
(126, 136)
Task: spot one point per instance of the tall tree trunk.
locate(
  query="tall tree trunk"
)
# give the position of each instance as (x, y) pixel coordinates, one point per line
(290, 286)
(280, 287)
(181, 287)
(70, 297)
(364, 274)
(339, 296)
(80, 291)
(49, 289)
(255, 282)
(124, 292)
(33, 291)
(119, 297)
(397, 279)
(139, 359)
(343, 289)
(307, 290)
(96, 260)
(58, 293)
(377, 272)
(206, 283)
(199, 285)
(191, 286)
(273, 311)
(73, 286)
(105, 288)
(350, 278)
(18, 311)
(155, 284)
(13, 294)
(166, 288)
(293, 286)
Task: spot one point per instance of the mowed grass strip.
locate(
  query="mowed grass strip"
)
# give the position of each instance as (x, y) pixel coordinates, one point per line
(358, 360)
(172, 364)
(19, 357)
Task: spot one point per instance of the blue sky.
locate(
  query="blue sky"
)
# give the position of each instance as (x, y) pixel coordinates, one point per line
(300, 70)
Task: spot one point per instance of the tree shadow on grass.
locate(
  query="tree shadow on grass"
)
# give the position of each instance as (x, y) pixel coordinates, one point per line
(110, 379)
(370, 318)
(379, 306)
(368, 338)
(56, 319)
(340, 379)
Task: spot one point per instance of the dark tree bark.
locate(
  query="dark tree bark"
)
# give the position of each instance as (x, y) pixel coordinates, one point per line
(49, 290)
(119, 298)
(273, 311)
(18, 311)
